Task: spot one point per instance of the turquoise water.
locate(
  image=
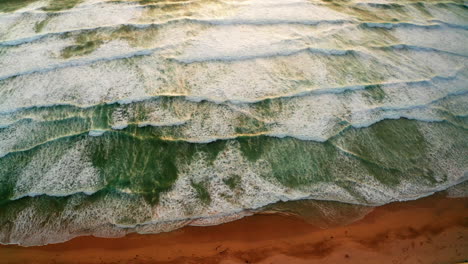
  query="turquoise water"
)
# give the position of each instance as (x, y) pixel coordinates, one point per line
(146, 116)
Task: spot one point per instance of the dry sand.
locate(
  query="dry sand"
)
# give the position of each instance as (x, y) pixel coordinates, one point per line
(429, 230)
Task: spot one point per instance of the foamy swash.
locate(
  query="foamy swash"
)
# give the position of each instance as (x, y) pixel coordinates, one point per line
(146, 116)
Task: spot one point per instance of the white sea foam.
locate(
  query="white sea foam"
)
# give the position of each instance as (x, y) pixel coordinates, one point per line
(58, 174)
(96, 133)
(300, 117)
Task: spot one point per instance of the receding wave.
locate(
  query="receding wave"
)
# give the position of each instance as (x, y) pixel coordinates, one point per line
(178, 119)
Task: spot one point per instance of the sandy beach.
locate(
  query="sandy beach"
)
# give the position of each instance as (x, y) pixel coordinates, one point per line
(429, 230)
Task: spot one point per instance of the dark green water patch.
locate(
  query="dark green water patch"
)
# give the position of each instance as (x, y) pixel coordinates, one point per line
(13, 5)
(59, 5)
(393, 150)
(201, 190)
(375, 93)
(387, 142)
(294, 162)
(146, 166)
(303, 164)
(39, 26)
(87, 41)
(233, 181)
(422, 8)
(387, 176)
(101, 116)
(247, 125)
(53, 5)
(252, 147)
(84, 44)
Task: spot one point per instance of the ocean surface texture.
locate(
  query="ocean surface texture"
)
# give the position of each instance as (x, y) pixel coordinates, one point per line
(120, 116)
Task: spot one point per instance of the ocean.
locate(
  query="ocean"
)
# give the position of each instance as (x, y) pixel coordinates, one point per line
(121, 117)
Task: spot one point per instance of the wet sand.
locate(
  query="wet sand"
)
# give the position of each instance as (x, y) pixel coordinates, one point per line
(429, 230)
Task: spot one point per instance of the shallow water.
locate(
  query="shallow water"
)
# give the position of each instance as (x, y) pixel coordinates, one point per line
(145, 116)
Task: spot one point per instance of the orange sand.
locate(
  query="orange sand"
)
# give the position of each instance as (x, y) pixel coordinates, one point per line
(429, 230)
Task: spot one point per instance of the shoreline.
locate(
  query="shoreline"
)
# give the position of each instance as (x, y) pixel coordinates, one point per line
(433, 229)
